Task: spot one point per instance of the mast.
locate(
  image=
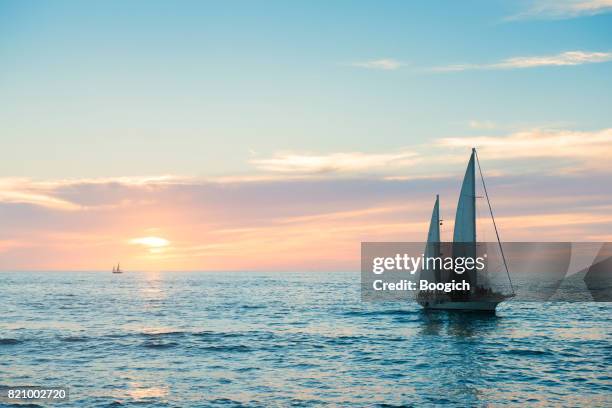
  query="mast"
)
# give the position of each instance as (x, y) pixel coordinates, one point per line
(473, 175)
(501, 249)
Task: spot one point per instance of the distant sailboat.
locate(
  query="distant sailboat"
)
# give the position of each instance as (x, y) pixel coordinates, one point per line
(117, 269)
(479, 298)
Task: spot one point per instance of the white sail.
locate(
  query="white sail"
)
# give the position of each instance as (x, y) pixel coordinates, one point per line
(464, 235)
(432, 248)
(434, 225)
(465, 219)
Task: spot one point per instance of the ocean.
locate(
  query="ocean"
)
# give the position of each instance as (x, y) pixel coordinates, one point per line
(290, 339)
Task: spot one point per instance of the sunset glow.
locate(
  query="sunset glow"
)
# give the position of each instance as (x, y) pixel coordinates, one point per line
(218, 145)
(286, 223)
(151, 242)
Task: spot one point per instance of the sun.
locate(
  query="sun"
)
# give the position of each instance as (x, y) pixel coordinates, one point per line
(153, 243)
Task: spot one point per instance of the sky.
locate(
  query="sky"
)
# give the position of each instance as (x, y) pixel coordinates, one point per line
(275, 135)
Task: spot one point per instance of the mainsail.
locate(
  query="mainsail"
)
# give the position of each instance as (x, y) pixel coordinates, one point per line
(464, 235)
(465, 219)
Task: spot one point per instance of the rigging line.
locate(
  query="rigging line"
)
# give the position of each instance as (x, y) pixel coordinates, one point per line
(501, 249)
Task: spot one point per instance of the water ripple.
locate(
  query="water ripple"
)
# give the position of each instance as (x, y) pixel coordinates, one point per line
(290, 339)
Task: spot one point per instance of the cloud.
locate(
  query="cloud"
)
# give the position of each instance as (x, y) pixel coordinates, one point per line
(20, 191)
(584, 150)
(568, 58)
(563, 9)
(518, 152)
(354, 162)
(44, 193)
(386, 64)
(293, 224)
(304, 212)
(210, 225)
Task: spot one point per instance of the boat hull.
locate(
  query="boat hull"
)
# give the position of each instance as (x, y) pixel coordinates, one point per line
(474, 305)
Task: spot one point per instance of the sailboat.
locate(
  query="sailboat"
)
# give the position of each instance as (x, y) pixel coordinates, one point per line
(117, 269)
(479, 297)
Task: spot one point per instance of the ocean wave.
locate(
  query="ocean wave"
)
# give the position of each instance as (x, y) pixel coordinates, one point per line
(160, 345)
(252, 307)
(370, 313)
(164, 334)
(9, 341)
(75, 339)
(528, 352)
(228, 349)
(216, 335)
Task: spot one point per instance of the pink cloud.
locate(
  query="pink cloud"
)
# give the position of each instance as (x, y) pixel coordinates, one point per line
(280, 224)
